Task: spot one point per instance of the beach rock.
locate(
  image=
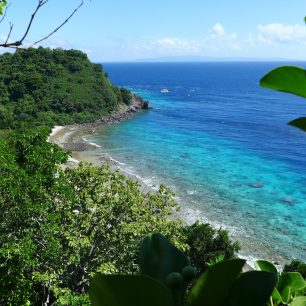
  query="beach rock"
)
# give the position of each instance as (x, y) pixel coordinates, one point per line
(77, 146)
(256, 185)
(145, 105)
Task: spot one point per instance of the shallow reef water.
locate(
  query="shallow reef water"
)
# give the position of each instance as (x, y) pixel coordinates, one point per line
(223, 144)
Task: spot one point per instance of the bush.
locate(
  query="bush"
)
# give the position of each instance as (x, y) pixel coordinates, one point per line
(58, 228)
(207, 244)
(296, 266)
(126, 96)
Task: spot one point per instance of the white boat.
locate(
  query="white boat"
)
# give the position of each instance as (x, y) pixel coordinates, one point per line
(164, 90)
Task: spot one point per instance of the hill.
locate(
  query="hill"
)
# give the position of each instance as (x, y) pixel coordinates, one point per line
(47, 87)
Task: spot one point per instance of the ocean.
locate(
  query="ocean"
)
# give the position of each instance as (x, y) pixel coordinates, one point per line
(222, 143)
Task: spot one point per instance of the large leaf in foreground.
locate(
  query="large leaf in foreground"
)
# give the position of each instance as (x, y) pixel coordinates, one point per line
(158, 257)
(299, 123)
(293, 280)
(253, 288)
(285, 294)
(288, 79)
(276, 296)
(299, 301)
(213, 286)
(262, 265)
(128, 290)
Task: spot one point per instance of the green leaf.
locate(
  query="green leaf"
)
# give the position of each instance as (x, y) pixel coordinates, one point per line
(253, 288)
(293, 280)
(276, 296)
(288, 79)
(128, 290)
(159, 258)
(214, 285)
(299, 301)
(299, 123)
(2, 5)
(285, 294)
(262, 265)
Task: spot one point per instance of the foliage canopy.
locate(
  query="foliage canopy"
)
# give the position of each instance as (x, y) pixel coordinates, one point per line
(48, 87)
(58, 227)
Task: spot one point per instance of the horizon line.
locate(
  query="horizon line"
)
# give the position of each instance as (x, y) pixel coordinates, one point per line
(150, 61)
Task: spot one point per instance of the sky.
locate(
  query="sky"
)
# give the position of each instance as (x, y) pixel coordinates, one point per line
(129, 30)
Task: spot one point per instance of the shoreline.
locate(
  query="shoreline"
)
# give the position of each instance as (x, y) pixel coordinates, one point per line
(186, 214)
(72, 138)
(69, 137)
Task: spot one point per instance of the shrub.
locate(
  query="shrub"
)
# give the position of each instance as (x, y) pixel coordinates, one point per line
(296, 266)
(207, 244)
(59, 227)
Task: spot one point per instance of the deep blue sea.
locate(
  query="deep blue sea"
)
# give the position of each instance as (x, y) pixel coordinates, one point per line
(223, 144)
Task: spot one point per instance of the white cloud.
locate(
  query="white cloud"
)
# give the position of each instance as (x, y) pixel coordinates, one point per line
(218, 39)
(282, 33)
(170, 45)
(218, 30)
(263, 42)
(216, 42)
(273, 40)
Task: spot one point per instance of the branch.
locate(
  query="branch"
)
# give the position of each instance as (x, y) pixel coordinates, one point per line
(10, 32)
(39, 5)
(60, 26)
(18, 43)
(5, 12)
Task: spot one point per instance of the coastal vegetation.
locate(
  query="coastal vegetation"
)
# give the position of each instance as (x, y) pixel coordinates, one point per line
(48, 87)
(58, 228)
(166, 278)
(62, 229)
(296, 266)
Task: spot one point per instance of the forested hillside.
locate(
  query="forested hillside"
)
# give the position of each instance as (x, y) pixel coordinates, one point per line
(47, 87)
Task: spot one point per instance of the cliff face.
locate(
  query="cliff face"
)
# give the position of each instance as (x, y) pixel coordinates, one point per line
(138, 104)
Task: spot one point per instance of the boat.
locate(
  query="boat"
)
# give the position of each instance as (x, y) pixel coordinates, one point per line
(164, 90)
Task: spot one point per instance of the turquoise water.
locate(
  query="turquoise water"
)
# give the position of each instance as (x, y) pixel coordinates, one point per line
(222, 143)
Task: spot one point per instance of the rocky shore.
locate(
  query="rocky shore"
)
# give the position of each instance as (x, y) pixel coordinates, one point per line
(69, 137)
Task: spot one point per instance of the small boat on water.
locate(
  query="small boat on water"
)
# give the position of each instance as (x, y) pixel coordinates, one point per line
(164, 90)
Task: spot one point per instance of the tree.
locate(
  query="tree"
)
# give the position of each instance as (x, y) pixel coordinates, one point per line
(58, 228)
(296, 266)
(40, 86)
(207, 245)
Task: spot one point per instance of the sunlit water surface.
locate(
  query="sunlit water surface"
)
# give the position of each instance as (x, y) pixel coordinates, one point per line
(222, 143)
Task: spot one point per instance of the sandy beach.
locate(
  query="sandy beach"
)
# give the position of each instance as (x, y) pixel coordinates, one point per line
(72, 137)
